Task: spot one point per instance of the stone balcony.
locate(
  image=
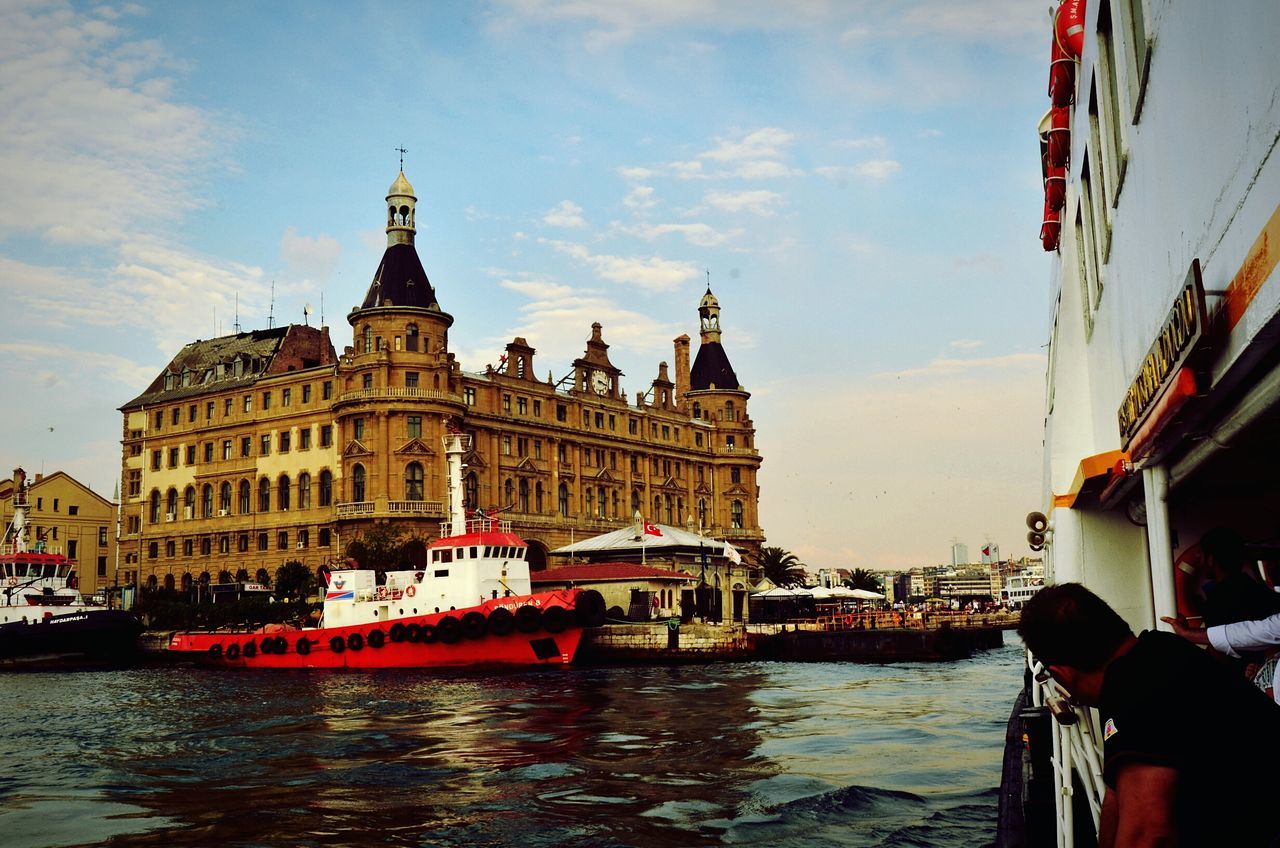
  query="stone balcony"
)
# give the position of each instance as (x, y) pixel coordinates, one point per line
(390, 509)
(399, 393)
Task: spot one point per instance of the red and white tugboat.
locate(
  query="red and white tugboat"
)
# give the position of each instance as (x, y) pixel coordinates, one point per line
(43, 616)
(471, 605)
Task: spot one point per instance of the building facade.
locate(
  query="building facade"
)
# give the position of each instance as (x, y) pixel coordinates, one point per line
(70, 519)
(259, 448)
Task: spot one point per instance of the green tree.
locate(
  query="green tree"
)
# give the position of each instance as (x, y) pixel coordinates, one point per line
(782, 567)
(864, 579)
(294, 581)
(378, 548)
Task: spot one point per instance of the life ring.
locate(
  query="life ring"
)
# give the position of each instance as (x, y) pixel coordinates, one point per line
(409, 592)
(303, 646)
(13, 581)
(337, 645)
(848, 621)
(355, 641)
(377, 638)
(397, 632)
(233, 651)
(381, 593)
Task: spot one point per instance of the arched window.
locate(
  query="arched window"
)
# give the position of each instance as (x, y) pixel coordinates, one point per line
(264, 495)
(224, 498)
(368, 339)
(171, 504)
(242, 574)
(680, 509)
(728, 411)
(564, 500)
(614, 504)
(538, 497)
(591, 500)
(602, 505)
(411, 337)
(635, 501)
(413, 482)
(657, 507)
(282, 494)
(189, 502)
(224, 577)
(304, 491)
(697, 409)
(155, 506)
(206, 501)
(187, 579)
(470, 491)
(524, 495)
(262, 577)
(736, 511)
(702, 512)
(152, 582)
(326, 488)
(246, 496)
(357, 484)
(508, 492)
(666, 501)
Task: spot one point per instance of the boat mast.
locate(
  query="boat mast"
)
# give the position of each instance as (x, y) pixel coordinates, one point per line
(455, 445)
(19, 526)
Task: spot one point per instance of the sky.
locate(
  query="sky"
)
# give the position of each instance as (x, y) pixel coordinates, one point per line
(859, 179)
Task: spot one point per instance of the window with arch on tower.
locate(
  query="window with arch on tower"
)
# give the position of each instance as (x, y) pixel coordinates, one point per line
(411, 338)
(413, 487)
(368, 339)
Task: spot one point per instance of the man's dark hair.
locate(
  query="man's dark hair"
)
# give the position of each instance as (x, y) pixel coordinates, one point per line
(1225, 547)
(1069, 625)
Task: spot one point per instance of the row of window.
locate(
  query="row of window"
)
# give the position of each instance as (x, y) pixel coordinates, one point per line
(175, 413)
(284, 444)
(51, 534)
(284, 490)
(413, 339)
(72, 509)
(187, 581)
(324, 539)
(596, 501)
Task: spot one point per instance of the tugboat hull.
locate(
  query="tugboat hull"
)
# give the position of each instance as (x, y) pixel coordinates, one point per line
(99, 634)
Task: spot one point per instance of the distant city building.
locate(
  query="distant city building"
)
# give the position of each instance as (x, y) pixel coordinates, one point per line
(959, 554)
(70, 519)
(258, 448)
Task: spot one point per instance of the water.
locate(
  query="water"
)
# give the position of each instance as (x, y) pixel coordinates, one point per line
(777, 754)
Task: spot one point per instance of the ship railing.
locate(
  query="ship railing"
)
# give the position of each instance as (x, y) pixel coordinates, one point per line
(476, 525)
(1077, 753)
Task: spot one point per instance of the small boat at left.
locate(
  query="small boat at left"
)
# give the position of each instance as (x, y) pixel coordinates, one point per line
(43, 616)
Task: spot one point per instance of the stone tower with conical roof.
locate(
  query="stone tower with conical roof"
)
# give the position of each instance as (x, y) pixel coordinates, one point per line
(398, 380)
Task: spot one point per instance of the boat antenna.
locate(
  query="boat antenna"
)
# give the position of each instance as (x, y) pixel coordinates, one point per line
(237, 324)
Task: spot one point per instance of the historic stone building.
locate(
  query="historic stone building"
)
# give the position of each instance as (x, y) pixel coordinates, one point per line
(257, 448)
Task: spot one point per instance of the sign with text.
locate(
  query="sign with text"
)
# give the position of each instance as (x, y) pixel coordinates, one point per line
(1176, 341)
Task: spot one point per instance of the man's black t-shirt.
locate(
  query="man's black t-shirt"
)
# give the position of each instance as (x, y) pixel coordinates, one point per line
(1168, 703)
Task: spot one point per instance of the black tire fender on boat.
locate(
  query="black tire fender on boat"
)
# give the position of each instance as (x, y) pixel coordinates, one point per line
(413, 633)
(233, 651)
(398, 632)
(501, 621)
(337, 644)
(355, 641)
(303, 646)
(250, 649)
(528, 619)
(281, 645)
(376, 638)
(474, 625)
(428, 635)
(449, 629)
(589, 609)
(215, 650)
(268, 646)
(556, 619)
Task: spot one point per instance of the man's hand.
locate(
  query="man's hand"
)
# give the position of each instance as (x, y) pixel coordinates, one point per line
(1194, 635)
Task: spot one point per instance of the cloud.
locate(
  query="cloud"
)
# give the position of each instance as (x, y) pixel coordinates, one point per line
(874, 171)
(871, 141)
(756, 154)
(764, 143)
(637, 173)
(640, 198)
(313, 258)
(950, 367)
(931, 133)
(651, 273)
(757, 201)
(70, 360)
(700, 235)
(966, 344)
(568, 215)
(94, 143)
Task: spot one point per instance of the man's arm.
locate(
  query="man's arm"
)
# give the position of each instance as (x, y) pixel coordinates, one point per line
(1108, 820)
(1145, 796)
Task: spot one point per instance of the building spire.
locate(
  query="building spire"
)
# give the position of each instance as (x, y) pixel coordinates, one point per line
(709, 313)
(400, 209)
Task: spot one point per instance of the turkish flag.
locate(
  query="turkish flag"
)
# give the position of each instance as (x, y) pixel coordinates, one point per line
(652, 529)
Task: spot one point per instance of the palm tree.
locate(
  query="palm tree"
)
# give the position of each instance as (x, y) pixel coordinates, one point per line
(782, 568)
(863, 579)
